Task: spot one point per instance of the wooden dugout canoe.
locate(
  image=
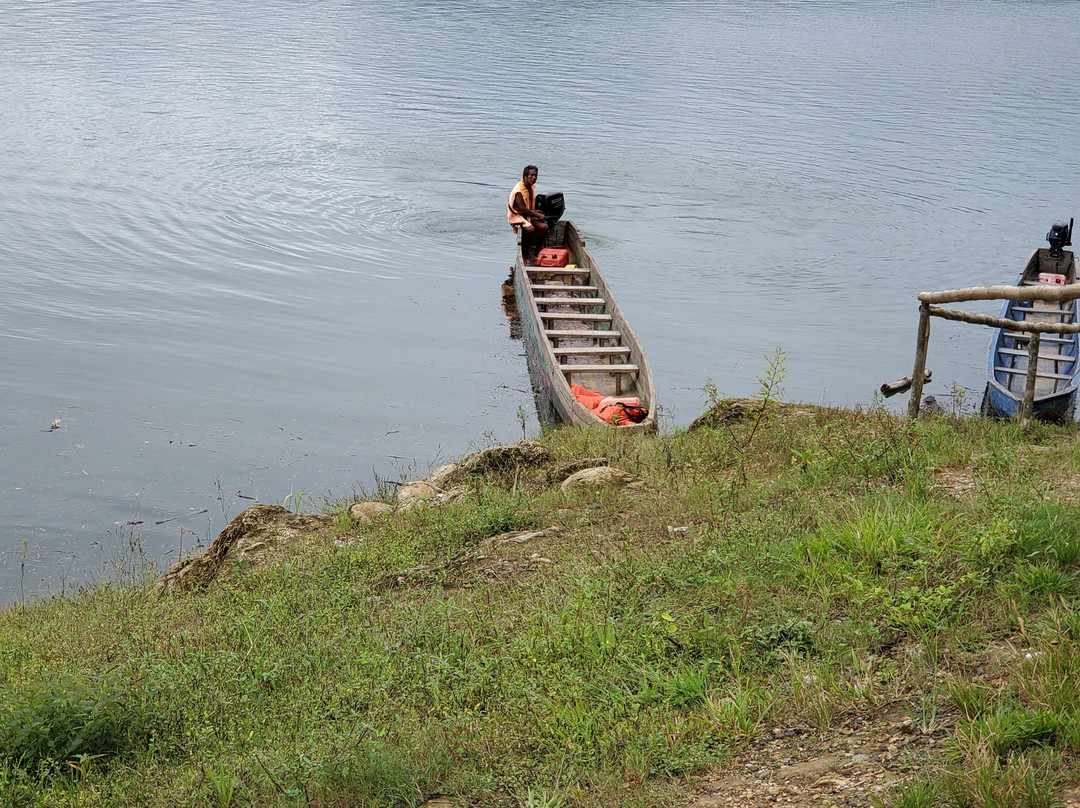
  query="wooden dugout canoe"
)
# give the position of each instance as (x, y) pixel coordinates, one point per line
(574, 332)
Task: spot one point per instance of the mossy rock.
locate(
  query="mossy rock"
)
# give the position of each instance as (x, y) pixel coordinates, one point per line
(259, 534)
(728, 411)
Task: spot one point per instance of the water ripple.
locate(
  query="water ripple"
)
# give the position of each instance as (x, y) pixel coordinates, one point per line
(218, 213)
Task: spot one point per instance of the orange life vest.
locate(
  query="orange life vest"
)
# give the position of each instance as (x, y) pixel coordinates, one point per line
(526, 195)
(625, 410)
(589, 399)
(621, 410)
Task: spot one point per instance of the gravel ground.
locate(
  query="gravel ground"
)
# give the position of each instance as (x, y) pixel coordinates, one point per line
(845, 765)
(862, 760)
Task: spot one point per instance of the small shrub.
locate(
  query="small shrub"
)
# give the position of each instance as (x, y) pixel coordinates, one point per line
(1066, 550)
(72, 717)
(1070, 625)
(798, 635)
(1050, 679)
(917, 609)
(739, 713)
(544, 799)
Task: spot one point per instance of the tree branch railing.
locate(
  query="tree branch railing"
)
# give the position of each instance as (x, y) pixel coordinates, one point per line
(1049, 294)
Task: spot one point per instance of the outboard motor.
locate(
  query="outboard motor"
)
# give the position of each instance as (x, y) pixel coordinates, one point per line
(1060, 235)
(551, 205)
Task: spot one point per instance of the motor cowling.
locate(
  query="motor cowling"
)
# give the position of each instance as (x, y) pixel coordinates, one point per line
(551, 205)
(1060, 235)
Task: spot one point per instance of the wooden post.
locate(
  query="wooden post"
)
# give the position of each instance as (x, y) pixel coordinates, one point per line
(922, 343)
(1027, 404)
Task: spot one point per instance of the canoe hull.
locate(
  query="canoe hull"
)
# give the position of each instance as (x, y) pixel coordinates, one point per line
(555, 401)
(551, 408)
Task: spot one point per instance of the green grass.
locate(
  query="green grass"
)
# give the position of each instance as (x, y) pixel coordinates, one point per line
(827, 568)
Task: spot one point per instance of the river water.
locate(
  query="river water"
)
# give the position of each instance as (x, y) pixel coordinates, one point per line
(253, 252)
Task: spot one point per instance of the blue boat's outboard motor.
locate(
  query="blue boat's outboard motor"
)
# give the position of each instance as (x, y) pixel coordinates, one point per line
(551, 205)
(1060, 235)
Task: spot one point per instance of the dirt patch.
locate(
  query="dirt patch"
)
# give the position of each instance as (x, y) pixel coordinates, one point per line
(1069, 486)
(851, 764)
(1070, 798)
(861, 758)
(954, 481)
(497, 559)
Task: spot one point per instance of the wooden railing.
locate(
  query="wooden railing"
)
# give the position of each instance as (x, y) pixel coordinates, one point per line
(1049, 294)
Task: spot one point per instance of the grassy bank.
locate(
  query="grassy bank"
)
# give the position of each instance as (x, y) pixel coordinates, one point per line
(782, 572)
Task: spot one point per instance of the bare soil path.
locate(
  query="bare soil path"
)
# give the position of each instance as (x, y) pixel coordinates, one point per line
(846, 765)
(858, 763)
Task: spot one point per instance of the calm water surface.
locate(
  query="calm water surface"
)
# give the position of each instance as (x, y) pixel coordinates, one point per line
(253, 252)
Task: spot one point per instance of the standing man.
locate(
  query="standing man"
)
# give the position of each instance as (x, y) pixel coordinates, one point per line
(521, 212)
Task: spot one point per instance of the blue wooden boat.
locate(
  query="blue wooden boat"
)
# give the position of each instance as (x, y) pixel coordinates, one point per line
(574, 332)
(1058, 372)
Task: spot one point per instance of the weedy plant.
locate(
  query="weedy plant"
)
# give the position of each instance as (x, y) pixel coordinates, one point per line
(920, 794)
(523, 419)
(742, 430)
(543, 799)
(224, 787)
(295, 500)
(77, 719)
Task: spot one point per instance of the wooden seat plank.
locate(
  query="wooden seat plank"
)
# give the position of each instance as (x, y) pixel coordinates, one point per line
(619, 368)
(574, 315)
(570, 301)
(1016, 310)
(1054, 357)
(1042, 337)
(1039, 375)
(561, 287)
(556, 271)
(592, 350)
(581, 333)
(1064, 318)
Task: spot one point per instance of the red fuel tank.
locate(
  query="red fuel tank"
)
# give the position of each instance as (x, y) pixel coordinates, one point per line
(553, 257)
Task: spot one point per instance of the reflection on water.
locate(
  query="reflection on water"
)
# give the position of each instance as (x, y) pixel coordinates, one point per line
(508, 303)
(255, 251)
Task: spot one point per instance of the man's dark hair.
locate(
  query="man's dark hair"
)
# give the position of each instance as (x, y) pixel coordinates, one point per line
(527, 169)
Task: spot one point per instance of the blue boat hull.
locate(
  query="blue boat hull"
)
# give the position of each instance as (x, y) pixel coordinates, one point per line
(1058, 372)
(1001, 403)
